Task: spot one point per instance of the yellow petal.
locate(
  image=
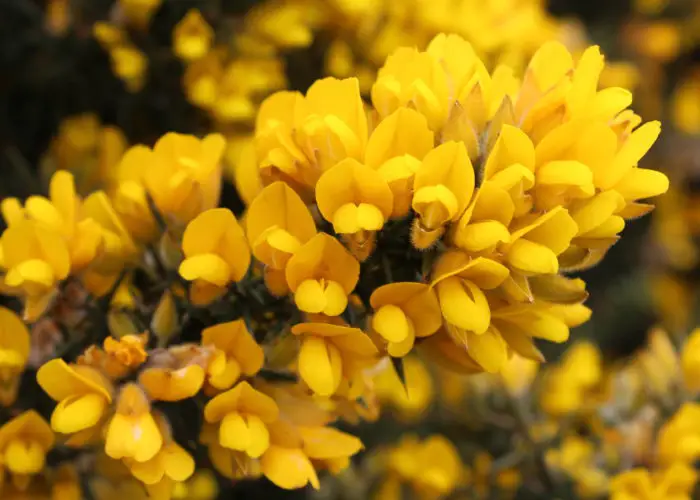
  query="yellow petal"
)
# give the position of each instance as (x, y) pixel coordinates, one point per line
(320, 365)
(448, 165)
(480, 236)
(279, 206)
(323, 257)
(632, 150)
(60, 381)
(532, 258)
(288, 468)
(403, 132)
(14, 335)
(391, 323)
(352, 182)
(208, 267)
(78, 413)
(641, 183)
(313, 297)
(326, 442)
(178, 464)
(488, 349)
(463, 304)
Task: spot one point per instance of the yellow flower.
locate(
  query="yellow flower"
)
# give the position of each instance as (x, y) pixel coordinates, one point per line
(433, 466)
(416, 78)
(576, 457)
(35, 259)
(355, 199)
(321, 274)
(404, 312)
(174, 383)
(184, 177)
(171, 463)
(410, 400)
(119, 357)
(329, 125)
(237, 353)
(395, 149)
(537, 241)
(14, 351)
(568, 386)
(278, 223)
(459, 282)
(679, 438)
(328, 447)
(192, 36)
(97, 242)
(331, 353)
(690, 361)
(133, 433)
(24, 442)
(216, 254)
(443, 186)
(675, 482)
(243, 415)
(285, 462)
(82, 393)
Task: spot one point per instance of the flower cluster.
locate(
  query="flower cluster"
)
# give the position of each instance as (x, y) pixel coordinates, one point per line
(172, 334)
(498, 185)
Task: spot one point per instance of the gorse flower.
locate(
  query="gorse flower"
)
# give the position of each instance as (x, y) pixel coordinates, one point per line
(504, 183)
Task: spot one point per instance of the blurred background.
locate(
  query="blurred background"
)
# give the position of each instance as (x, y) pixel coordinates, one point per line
(80, 80)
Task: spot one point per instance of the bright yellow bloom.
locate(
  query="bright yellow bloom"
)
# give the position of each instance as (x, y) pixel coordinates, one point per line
(278, 223)
(404, 312)
(286, 462)
(216, 254)
(83, 395)
(443, 186)
(329, 125)
(412, 399)
(459, 282)
(674, 483)
(569, 385)
(171, 463)
(321, 274)
(331, 353)
(133, 433)
(14, 351)
(118, 358)
(243, 415)
(432, 467)
(395, 149)
(236, 353)
(183, 178)
(192, 36)
(24, 442)
(355, 199)
(679, 438)
(180, 381)
(329, 448)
